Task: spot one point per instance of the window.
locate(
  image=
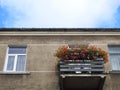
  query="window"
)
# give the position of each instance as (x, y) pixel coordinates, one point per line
(114, 54)
(15, 59)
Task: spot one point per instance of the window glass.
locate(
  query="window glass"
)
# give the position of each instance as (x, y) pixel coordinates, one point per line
(114, 55)
(20, 63)
(10, 63)
(17, 50)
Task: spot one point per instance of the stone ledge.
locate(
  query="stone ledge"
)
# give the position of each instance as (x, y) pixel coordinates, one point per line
(83, 75)
(59, 33)
(114, 72)
(14, 73)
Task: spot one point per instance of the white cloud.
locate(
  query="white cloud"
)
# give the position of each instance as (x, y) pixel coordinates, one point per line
(62, 13)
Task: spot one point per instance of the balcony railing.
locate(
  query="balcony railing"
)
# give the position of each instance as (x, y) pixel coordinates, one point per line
(81, 66)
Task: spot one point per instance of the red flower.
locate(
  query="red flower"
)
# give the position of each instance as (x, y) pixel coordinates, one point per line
(81, 52)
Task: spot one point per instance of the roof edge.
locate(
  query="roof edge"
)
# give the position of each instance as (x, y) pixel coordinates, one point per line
(61, 29)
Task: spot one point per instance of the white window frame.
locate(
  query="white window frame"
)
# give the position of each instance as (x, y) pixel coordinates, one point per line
(15, 62)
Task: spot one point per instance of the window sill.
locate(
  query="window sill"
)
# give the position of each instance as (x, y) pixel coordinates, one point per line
(115, 72)
(14, 73)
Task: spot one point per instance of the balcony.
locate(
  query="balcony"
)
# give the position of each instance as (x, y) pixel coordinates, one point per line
(81, 67)
(82, 74)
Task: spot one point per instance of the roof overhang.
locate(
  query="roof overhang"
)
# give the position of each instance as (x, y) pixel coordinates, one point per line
(62, 29)
(59, 32)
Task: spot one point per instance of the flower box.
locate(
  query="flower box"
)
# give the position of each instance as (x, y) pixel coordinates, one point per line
(82, 59)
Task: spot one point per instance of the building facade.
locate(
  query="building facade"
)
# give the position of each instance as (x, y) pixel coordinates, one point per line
(27, 61)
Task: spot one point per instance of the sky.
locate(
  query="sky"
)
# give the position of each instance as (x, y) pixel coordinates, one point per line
(59, 13)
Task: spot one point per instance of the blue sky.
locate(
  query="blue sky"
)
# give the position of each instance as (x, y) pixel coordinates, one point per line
(60, 13)
(3, 16)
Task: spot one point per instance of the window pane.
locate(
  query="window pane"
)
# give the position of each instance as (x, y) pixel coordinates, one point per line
(114, 49)
(20, 63)
(10, 64)
(114, 53)
(115, 61)
(16, 50)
